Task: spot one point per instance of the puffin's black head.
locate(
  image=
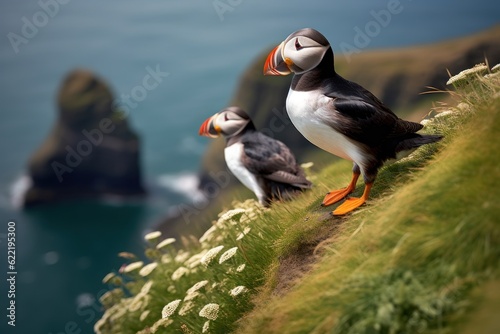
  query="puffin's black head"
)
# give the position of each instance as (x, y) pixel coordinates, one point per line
(228, 122)
(300, 52)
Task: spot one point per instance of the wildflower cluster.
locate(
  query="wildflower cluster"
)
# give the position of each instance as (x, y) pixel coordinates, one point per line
(193, 290)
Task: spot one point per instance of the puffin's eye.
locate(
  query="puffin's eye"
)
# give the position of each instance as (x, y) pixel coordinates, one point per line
(297, 45)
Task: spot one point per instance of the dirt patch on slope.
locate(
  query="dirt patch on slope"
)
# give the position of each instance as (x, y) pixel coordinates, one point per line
(294, 265)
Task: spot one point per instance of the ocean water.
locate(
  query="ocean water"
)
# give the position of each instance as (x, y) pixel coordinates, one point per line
(63, 250)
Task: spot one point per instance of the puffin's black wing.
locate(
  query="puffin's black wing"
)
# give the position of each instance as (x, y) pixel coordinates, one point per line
(272, 160)
(360, 115)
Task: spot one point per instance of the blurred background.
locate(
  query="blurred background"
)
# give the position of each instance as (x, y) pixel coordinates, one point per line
(198, 50)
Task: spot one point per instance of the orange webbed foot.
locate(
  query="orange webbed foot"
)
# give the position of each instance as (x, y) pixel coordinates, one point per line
(352, 203)
(337, 195)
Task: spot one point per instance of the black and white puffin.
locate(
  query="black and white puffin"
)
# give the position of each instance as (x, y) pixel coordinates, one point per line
(338, 115)
(263, 164)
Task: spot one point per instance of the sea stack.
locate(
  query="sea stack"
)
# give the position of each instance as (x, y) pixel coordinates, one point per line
(91, 150)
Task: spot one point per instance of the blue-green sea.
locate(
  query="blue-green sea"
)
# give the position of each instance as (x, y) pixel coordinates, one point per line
(63, 250)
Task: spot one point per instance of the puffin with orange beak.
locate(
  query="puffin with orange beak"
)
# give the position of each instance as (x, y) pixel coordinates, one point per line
(340, 116)
(263, 164)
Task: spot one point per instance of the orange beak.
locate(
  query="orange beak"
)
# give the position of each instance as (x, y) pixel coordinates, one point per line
(208, 129)
(275, 64)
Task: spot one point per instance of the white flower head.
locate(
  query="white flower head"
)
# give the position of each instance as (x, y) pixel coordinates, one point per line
(186, 307)
(181, 256)
(307, 165)
(228, 254)
(444, 113)
(194, 260)
(108, 278)
(468, 73)
(170, 308)
(231, 215)
(146, 287)
(206, 326)
(147, 269)
(191, 296)
(144, 315)
(127, 255)
(163, 322)
(152, 236)
(238, 290)
(207, 236)
(181, 271)
(241, 267)
(135, 305)
(165, 243)
(210, 311)
(133, 266)
(246, 230)
(197, 286)
(210, 255)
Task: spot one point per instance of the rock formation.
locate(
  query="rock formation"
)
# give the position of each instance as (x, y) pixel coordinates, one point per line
(91, 150)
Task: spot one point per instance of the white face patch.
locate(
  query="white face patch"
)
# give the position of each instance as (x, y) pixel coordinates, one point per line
(304, 52)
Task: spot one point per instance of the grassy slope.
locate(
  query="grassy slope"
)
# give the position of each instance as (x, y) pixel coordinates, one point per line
(406, 261)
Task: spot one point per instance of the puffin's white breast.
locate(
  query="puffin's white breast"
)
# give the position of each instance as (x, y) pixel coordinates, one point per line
(305, 109)
(233, 155)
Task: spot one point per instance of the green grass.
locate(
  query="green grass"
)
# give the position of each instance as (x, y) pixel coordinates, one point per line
(405, 262)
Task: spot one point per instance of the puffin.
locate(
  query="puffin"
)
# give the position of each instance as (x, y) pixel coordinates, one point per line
(340, 116)
(263, 164)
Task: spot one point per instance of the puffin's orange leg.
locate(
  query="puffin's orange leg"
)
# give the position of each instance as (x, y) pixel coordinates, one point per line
(337, 195)
(353, 202)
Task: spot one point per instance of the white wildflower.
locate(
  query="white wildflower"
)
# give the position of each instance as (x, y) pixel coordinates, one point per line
(133, 266)
(181, 271)
(108, 278)
(197, 286)
(165, 243)
(231, 215)
(206, 326)
(194, 260)
(492, 76)
(186, 307)
(241, 267)
(444, 113)
(163, 322)
(144, 315)
(478, 69)
(171, 289)
(147, 269)
(99, 324)
(246, 230)
(146, 287)
(127, 255)
(238, 290)
(210, 311)
(307, 165)
(170, 308)
(152, 236)
(191, 296)
(166, 258)
(135, 305)
(181, 256)
(207, 236)
(210, 255)
(227, 255)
